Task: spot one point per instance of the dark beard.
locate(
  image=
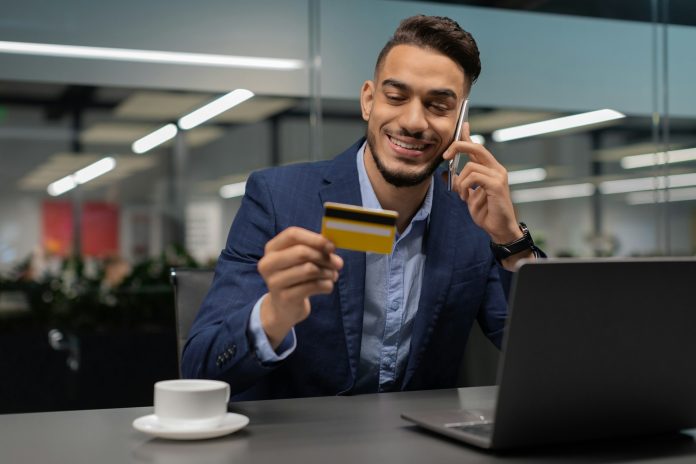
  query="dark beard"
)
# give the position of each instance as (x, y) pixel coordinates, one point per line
(398, 179)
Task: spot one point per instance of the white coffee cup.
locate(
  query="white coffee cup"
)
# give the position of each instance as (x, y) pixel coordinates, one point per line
(191, 403)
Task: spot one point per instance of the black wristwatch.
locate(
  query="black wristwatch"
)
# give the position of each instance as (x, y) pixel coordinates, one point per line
(505, 250)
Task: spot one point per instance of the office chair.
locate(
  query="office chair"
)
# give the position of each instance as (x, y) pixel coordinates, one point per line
(190, 287)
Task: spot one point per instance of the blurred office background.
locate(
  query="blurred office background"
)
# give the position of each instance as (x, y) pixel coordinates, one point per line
(86, 307)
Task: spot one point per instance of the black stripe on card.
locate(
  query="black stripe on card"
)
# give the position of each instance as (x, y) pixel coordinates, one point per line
(359, 216)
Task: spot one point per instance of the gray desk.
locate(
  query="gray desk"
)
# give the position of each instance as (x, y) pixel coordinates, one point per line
(356, 430)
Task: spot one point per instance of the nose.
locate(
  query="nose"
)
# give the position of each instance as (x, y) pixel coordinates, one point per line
(413, 118)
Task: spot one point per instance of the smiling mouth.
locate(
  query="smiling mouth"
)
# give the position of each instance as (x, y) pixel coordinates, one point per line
(407, 146)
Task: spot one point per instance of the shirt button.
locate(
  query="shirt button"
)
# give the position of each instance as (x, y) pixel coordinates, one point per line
(394, 305)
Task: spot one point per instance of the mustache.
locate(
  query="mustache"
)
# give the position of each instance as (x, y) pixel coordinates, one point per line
(419, 136)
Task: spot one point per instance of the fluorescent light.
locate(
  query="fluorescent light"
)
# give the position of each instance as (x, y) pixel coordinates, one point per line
(681, 180)
(630, 185)
(661, 196)
(149, 56)
(647, 183)
(95, 170)
(477, 138)
(233, 190)
(653, 159)
(154, 139)
(81, 176)
(554, 125)
(557, 192)
(214, 108)
(61, 186)
(526, 175)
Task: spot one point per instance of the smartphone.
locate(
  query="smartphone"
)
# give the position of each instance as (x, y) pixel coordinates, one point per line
(454, 162)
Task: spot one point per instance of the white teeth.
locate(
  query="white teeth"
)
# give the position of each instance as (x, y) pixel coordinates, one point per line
(408, 146)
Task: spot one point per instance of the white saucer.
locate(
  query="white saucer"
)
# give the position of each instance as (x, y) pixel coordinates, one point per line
(151, 426)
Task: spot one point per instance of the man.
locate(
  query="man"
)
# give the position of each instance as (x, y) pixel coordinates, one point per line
(290, 315)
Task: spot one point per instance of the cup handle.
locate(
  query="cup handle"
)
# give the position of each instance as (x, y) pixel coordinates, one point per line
(227, 398)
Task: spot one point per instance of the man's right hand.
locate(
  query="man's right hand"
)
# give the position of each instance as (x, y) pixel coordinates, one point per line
(296, 264)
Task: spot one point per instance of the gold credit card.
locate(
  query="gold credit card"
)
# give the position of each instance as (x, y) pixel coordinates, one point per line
(361, 229)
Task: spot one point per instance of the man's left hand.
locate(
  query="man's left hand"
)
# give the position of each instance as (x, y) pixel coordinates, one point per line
(483, 185)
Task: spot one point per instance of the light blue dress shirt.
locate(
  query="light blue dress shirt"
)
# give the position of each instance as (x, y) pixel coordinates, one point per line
(392, 291)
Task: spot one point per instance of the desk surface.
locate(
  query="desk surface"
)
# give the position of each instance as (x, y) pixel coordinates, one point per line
(356, 430)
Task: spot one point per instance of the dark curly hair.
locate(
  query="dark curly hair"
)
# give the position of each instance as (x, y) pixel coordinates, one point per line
(441, 34)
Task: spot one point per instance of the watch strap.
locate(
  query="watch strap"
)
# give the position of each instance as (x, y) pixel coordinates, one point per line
(503, 251)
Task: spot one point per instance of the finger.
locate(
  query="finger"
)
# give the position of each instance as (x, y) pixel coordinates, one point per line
(458, 146)
(475, 151)
(475, 180)
(472, 167)
(480, 154)
(305, 290)
(297, 235)
(296, 255)
(459, 188)
(477, 200)
(466, 131)
(479, 214)
(296, 275)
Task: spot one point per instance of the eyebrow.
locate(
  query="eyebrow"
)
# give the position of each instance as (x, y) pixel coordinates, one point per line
(442, 93)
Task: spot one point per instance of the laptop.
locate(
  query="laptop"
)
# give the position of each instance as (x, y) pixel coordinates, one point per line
(593, 349)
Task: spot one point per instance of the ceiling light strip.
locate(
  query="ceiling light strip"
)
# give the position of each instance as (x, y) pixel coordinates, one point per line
(95, 170)
(214, 108)
(661, 196)
(154, 139)
(478, 138)
(656, 159)
(81, 176)
(555, 125)
(526, 175)
(647, 183)
(557, 192)
(61, 186)
(149, 56)
(233, 190)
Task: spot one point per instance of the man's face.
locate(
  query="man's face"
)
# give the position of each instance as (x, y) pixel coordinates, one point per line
(411, 111)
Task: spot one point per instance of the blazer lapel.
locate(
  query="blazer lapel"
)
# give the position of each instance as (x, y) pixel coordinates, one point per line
(436, 276)
(342, 186)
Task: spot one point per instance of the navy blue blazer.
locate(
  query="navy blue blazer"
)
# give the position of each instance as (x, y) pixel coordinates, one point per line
(461, 284)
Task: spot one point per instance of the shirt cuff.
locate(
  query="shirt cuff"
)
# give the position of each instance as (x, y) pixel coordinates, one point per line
(259, 339)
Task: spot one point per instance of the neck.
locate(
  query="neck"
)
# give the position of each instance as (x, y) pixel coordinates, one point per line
(404, 200)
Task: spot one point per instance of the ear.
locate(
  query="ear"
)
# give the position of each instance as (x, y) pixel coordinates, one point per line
(367, 98)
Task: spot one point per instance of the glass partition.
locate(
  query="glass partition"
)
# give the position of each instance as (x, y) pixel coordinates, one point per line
(95, 212)
(86, 307)
(85, 265)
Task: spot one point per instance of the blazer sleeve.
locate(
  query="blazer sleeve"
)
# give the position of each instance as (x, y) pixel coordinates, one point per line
(218, 345)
